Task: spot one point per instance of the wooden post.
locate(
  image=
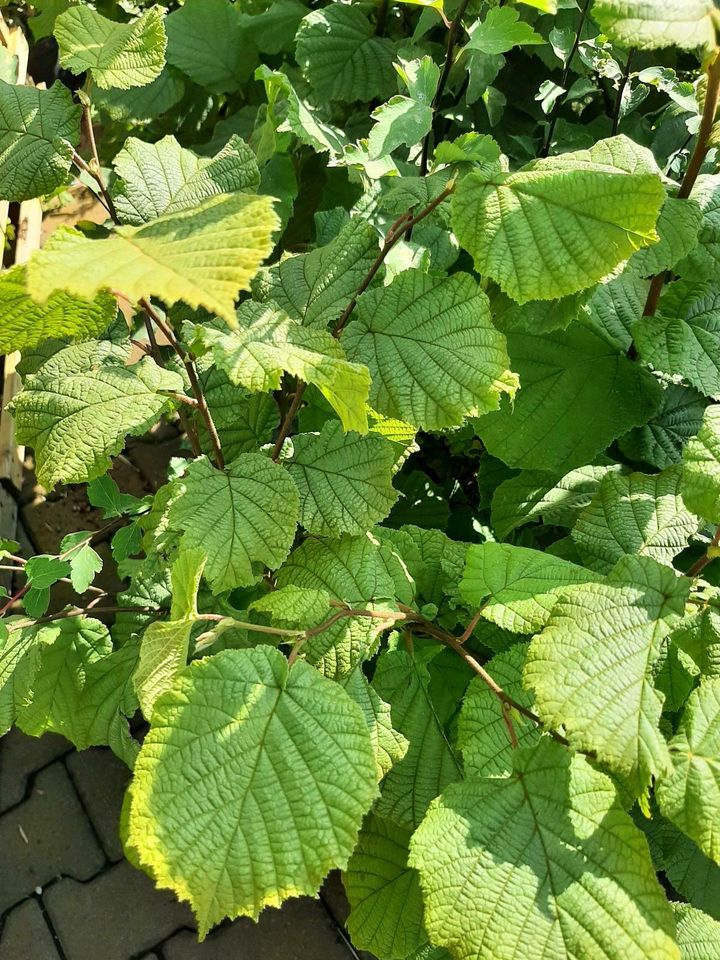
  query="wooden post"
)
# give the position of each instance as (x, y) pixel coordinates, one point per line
(27, 240)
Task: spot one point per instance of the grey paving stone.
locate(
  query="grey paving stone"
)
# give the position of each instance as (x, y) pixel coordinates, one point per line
(45, 837)
(116, 916)
(300, 930)
(21, 756)
(25, 935)
(100, 778)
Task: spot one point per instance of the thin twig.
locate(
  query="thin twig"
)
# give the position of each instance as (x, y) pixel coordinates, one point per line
(93, 168)
(691, 174)
(396, 232)
(453, 642)
(85, 168)
(188, 363)
(185, 421)
(18, 595)
(697, 568)
(453, 31)
(467, 633)
(181, 398)
(248, 625)
(563, 81)
(286, 425)
(706, 124)
(71, 612)
(398, 229)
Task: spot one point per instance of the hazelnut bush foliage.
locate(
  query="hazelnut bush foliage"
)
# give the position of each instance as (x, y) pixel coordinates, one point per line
(432, 290)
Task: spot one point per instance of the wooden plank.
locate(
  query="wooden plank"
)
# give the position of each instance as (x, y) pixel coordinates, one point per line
(27, 240)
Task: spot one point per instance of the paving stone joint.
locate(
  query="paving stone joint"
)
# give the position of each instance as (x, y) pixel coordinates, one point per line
(67, 893)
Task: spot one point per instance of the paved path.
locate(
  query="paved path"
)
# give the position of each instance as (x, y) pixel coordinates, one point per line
(66, 893)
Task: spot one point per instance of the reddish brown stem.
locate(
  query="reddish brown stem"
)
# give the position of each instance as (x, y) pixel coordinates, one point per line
(691, 174)
(697, 568)
(187, 362)
(401, 226)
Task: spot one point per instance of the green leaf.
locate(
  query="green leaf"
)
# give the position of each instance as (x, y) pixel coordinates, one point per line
(433, 353)
(359, 571)
(690, 795)
(26, 324)
(691, 873)
(678, 227)
(537, 316)
(243, 516)
(389, 746)
(701, 468)
(699, 636)
(302, 119)
(273, 30)
(482, 731)
(143, 104)
(549, 861)
(163, 177)
(517, 587)
(206, 41)
(84, 561)
(164, 647)
(661, 440)
(167, 257)
(698, 935)
(267, 342)
(635, 513)
(18, 655)
(401, 120)
(574, 218)
(294, 606)
(74, 686)
(314, 288)
(288, 746)
(120, 55)
(533, 495)
(653, 24)
(675, 677)
(562, 418)
(403, 680)
(616, 305)
(48, 699)
(344, 480)
(244, 421)
(356, 570)
(104, 494)
(76, 417)
(43, 571)
(405, 120)
(500, 31)
(386, 908)
(683, 337)
(434, 561)
(105, 705)
(703, 262)
(45, 12)
(341, 58)
(36, 602)
(607, 704)
(38, 131)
